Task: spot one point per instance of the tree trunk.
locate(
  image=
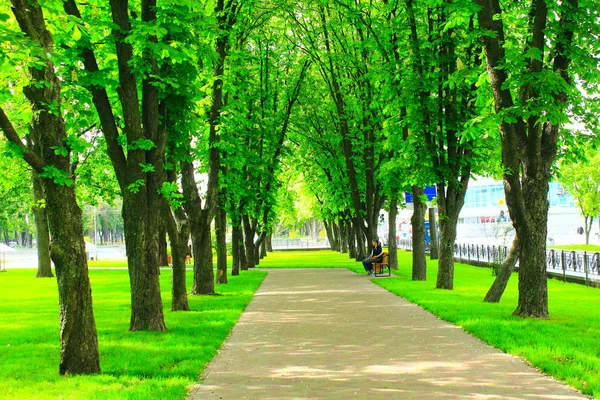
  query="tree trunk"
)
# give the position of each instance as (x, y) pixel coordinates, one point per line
(361, 249)
(392, 245)
(236, 237)
(342, 236)
(504, 272)
(163, 259)
(270, 242)
(263, 249)
(445, 277)
(42, 235)
(588, 227)
(220, 232)
(258, 247)
(450, 202)
(200, 220)
(333, 238)
(419, 259)
(433, 236)
(351, 240)
(533, 286)
(249, 233)
(204, 276)
(79, 342)
(142, 225)
(178, 226)
(242, 251)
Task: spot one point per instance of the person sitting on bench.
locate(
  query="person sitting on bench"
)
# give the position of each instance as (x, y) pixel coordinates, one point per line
(375, 257)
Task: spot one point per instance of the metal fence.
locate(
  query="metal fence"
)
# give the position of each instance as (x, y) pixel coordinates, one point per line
(300, 243)
(582, 265)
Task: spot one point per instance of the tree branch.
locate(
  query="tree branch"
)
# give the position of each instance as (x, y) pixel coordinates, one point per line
(11, 134)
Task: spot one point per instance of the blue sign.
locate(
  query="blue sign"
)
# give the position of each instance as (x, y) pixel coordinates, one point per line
(429, 191)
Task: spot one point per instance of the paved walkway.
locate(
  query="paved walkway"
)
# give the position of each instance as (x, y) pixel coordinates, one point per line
(332, 334)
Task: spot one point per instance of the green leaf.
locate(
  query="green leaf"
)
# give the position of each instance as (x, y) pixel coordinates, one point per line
(76, 34)
(147, 167)
(58, 176)
(135, 186)
(142, 144)
(60, 151)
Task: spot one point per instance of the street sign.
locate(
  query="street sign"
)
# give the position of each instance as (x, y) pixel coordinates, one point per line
(430, 191)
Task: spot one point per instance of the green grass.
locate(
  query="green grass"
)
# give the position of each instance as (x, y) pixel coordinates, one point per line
(116, 263)
(135, 365)
(140, 365)
(581, 247)
(307, 259)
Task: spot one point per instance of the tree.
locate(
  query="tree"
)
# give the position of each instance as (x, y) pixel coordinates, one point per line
(534, 53)
(340, 45)
(49, 156)
(503, 274)
(265, 84)
(583, 182)
(42, 234)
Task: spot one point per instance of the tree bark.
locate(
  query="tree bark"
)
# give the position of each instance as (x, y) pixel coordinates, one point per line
(204, 276)
(236, 238)
(249, 233)
(419, 260)
(361, 249)
(242, 250)
(588, 220)
(333, 239)
(342, 236)
(200, 219)
(79, 342)
(450, 202)
(505, 270)
(178, 228)
(42, 234)
(220, 232)
(392, 245)
(263, 249)
(163, 259)
(445, 277)
(352, 253)
(433, 242)
(141, 238)
(179, 233)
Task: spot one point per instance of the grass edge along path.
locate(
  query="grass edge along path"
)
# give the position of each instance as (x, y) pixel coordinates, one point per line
(566, 346)
(135, 365)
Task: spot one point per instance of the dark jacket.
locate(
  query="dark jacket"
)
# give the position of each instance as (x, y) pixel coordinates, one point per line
(377, 250)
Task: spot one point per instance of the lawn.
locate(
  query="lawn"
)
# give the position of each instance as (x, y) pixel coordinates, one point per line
(140, 365)
(135, 365)
(577, 247)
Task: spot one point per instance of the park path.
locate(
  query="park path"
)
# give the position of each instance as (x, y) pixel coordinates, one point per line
(333, 334)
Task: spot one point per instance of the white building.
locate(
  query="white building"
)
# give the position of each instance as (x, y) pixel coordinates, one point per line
(484, 218)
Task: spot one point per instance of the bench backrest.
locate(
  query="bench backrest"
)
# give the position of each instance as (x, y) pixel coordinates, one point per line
(385, 259)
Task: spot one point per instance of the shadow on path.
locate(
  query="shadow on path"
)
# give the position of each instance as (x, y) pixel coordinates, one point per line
(328, 334)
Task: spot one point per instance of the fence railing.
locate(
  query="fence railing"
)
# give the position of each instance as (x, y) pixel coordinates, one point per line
(300, 243)
(568, 263)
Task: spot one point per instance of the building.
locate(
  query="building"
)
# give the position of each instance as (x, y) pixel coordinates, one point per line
(484, 217)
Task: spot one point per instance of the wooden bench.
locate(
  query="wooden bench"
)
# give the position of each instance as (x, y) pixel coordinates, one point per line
(379, 268)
